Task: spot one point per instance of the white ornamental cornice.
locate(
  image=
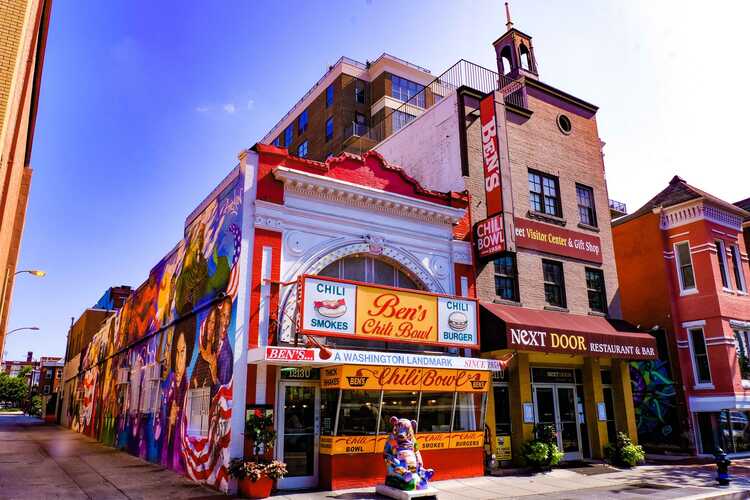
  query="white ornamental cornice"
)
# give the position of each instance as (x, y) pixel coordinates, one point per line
(365, 197)
(694, 210)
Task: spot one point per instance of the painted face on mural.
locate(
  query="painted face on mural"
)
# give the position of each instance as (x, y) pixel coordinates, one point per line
(180, 361)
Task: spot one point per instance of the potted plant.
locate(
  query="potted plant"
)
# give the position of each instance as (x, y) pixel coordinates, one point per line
(256, 475)
(542, 452)
(623, 452)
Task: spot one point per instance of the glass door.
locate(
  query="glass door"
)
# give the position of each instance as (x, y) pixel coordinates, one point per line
(555, 405)
(568, 423)
(299, 433)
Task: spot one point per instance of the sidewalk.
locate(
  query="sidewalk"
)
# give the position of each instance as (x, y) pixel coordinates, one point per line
(40, 461)
(647, 482)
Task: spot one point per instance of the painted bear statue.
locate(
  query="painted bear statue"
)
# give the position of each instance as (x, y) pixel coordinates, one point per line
(403, 462)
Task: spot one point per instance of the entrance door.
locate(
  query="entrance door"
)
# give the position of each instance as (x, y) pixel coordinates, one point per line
(556, 405)
(299, 433)
(568, 430)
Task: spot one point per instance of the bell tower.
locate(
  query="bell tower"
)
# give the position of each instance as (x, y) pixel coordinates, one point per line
(514, 51)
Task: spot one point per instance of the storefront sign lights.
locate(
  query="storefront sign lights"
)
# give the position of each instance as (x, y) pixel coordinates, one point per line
(294, 356)
(339, 308)
(397, 378)
(340, 445)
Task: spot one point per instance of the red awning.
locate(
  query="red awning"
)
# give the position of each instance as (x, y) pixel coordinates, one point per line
(550, 331)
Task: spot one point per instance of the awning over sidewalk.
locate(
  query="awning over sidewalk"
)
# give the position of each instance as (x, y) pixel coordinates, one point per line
(512, 327)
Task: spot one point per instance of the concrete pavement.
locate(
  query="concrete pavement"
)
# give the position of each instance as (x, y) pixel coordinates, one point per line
(40, 461)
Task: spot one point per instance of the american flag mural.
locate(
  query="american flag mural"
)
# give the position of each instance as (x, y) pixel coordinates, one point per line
(157, 379)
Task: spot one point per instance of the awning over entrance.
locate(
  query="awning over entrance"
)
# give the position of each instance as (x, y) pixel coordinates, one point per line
(512, 327)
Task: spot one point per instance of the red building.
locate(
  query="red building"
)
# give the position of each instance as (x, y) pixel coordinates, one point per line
(683, 269)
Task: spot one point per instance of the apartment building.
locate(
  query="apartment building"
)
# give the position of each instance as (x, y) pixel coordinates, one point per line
(683, 263)
(352, 107)
(530, 156)
(22, 43)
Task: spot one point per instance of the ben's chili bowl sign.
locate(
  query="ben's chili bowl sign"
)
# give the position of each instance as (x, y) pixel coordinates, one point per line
(341, 308)
(626, 346)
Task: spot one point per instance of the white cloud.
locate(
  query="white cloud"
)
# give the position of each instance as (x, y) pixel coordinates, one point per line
(229, 108)
(250, 104)
(202, 109)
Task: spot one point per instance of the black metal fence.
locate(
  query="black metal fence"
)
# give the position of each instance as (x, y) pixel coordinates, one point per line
(463, 73)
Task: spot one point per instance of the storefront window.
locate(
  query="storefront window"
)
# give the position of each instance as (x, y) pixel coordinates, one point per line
(435, 412)
(359, 413)
(399, 404)
(329, 400)
(469, 412)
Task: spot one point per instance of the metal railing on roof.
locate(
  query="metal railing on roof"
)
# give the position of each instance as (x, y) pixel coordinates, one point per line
(462, 74)
(618, 206)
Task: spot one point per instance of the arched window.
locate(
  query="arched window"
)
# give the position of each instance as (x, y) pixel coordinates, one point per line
(378, 271)
(505, 60)
(525, 58)
(368, 269)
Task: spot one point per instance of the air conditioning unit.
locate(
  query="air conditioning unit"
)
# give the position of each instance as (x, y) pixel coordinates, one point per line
(153, 371)
(123, 376)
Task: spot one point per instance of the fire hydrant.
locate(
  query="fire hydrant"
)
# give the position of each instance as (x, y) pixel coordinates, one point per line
(722, 467)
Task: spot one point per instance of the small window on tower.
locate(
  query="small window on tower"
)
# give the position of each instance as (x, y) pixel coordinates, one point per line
(505, 60)
(525, 59)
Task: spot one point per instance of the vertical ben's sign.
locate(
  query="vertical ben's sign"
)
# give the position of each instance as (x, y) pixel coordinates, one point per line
(490, 156)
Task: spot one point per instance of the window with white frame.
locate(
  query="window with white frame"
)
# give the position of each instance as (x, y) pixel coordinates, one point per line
(150, 396)
(701, 367)
(197, 408)
(721, 255)
(739, 275)
(742, 338)
(684, 266)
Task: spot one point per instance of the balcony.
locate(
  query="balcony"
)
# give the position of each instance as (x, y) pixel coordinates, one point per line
(359, 134)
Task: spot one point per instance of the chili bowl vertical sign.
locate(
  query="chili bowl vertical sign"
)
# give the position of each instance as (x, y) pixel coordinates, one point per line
(328, 307)
(489, 237)
(490, 156)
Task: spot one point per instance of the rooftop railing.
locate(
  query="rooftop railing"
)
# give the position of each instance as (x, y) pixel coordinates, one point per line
(618, 206)
(461, 74)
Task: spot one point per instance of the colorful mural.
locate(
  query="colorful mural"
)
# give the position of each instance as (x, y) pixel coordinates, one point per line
(156, 379)
(655, 400)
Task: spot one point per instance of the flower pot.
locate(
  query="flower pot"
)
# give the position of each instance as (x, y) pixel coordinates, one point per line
(258, 489)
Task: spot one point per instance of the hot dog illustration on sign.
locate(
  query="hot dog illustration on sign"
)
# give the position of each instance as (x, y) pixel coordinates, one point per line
(403, 462)
(329, 306)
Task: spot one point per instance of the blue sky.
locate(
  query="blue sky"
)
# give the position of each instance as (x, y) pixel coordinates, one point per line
(145, 105)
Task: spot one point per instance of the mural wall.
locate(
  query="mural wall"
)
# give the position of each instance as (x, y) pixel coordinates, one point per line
(655, 402)
(156, 379)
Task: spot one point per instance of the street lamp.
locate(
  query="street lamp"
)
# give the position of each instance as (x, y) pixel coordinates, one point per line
(34, 272)
(23, 328)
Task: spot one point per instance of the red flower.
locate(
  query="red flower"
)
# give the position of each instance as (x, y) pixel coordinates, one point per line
(258, 412)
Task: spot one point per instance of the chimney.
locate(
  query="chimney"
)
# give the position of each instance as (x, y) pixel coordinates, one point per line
(29, 356)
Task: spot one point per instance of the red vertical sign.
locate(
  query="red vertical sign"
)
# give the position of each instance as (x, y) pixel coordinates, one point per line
(491, 156)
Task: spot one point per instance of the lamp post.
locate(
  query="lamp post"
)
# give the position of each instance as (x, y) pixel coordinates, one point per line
(23, 328)
(34, 272)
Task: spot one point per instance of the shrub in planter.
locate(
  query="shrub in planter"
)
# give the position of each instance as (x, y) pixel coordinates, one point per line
(256, 475)
(623, 452)
(542, 452)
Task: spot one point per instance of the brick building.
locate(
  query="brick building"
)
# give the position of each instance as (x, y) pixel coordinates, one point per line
(683, 267)
(81, 332)
(544, 256)
(349, 105)
(22, 43)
